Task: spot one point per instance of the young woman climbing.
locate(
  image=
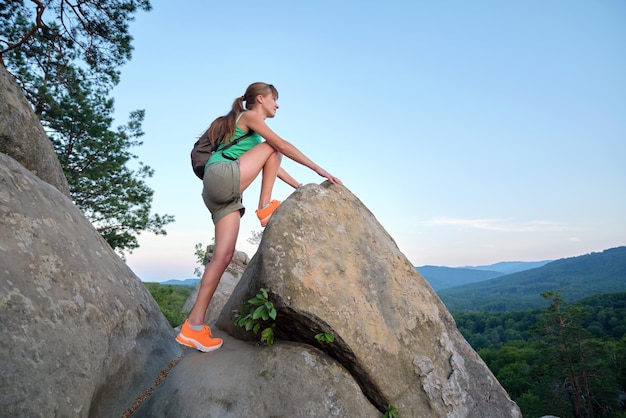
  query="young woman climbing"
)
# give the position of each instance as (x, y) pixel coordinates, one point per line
(229, 171)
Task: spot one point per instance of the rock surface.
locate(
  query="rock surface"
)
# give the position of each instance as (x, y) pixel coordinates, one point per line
(330, 267)
(247, 380)
(81, 336)
(23, 138)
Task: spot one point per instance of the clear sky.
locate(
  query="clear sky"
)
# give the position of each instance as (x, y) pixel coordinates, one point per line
(476, 132)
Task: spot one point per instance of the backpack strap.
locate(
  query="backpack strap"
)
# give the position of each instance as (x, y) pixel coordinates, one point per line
(233, 142)
(236, 140)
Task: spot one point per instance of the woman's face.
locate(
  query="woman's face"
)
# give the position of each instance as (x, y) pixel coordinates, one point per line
(269, 105)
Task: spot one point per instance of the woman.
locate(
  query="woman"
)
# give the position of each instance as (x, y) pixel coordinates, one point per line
(229, 171)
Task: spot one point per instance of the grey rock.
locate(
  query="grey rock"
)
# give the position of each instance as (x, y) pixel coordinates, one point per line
(23, 138)
(81, 335)
(247, 380)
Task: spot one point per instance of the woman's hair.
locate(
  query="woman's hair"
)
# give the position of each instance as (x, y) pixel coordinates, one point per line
(223, 128)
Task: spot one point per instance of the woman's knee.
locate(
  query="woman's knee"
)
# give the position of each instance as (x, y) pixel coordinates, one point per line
(257, 157)
(274, 158)
(222, 257)
(272, 153)
(265, 149)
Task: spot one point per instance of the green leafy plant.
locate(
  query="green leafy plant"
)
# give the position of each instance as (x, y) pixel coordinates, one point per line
(325, 338)
(255, 316)
(392, 412)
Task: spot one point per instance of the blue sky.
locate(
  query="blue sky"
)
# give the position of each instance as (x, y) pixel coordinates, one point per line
(476, 132)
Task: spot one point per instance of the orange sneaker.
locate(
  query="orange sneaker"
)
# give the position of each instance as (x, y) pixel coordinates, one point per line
(265, 214)
(201, 340)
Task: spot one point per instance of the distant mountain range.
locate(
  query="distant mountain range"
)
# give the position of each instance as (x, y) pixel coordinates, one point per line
(440, 277)
(575, 277)
(509, 267)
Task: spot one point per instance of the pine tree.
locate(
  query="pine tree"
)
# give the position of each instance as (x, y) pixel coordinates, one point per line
(65, 56)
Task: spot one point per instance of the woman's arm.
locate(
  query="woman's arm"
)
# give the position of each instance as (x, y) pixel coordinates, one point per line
(255, 122)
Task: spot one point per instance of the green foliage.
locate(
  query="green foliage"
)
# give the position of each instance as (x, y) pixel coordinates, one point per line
(392, 412)
(96, 160)
(171, 300)
(325, 338)
(255, 316)
(203, 255)
(201, 258)
(576, 277)
(570, 360)
(605, 318)
(544, 356)
(42, 39)
(67, 59)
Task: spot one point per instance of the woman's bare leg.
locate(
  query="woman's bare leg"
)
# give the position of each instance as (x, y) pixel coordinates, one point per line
(226, 231)
(261, 157)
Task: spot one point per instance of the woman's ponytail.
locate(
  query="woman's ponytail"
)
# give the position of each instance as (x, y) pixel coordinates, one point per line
(223, 128)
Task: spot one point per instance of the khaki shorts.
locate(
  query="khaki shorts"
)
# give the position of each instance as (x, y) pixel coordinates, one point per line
(221, 189)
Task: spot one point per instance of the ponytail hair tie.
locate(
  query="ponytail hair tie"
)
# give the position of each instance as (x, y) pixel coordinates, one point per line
(243, 98)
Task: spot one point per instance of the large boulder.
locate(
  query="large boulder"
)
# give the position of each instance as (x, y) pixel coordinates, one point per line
(330, 267)
(23, 138)
(81, 336)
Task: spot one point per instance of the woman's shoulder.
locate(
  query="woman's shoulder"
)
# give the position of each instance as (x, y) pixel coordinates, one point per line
(242, 123)
(249, 115)
(248, 119)
(242, 118)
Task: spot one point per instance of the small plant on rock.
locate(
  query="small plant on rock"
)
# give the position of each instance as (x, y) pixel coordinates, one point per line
(392, 412)
(255, 316)
(325, 338)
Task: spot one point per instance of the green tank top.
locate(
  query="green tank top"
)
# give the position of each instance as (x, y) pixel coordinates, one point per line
(238, 149)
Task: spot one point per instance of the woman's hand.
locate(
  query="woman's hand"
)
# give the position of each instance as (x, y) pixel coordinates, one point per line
(329, 176)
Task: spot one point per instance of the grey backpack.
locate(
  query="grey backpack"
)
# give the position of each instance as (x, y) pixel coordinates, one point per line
(203, 149)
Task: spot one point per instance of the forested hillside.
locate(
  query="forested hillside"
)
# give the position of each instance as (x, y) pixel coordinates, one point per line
(575, 277)
(171, 300)
(564, 360)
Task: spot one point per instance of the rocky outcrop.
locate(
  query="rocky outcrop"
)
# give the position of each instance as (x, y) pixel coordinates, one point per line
(330, 267)
(81, 336)
(23, 138)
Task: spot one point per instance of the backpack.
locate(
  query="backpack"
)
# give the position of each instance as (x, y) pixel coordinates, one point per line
(202, 151)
